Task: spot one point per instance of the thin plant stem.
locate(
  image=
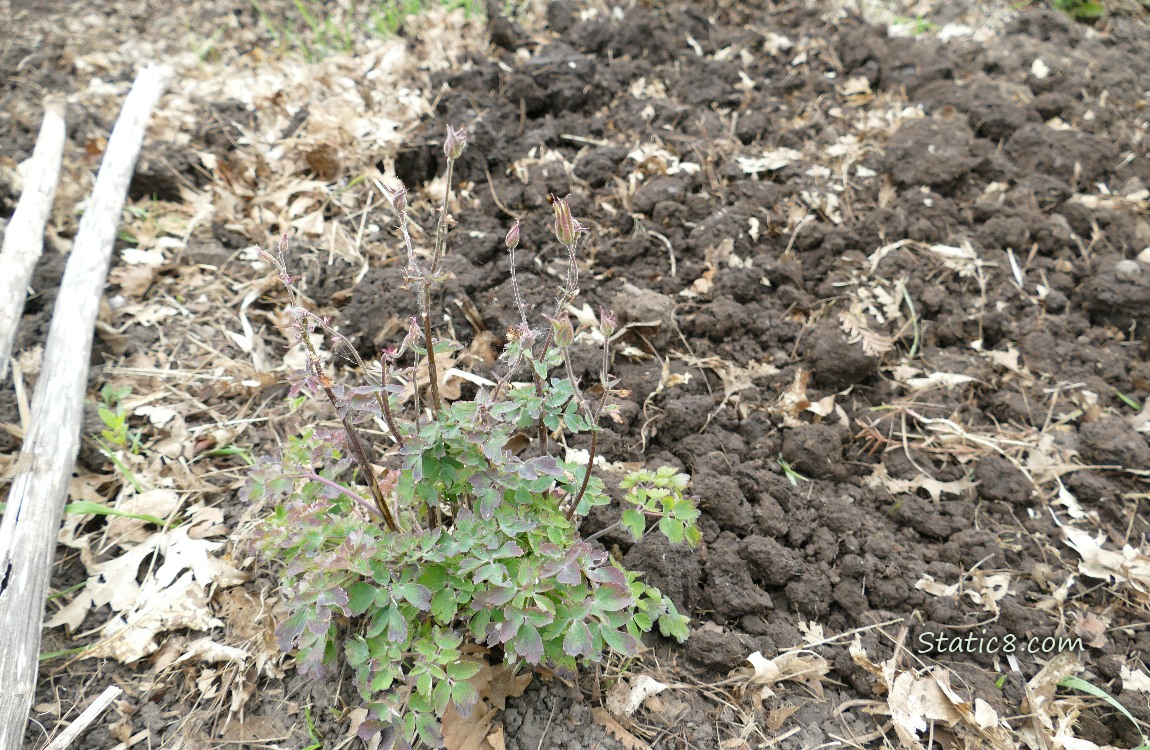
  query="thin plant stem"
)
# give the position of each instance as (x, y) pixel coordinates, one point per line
(303, 324)
(316, 477)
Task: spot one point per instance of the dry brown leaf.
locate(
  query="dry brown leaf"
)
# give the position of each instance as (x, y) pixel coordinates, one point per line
(173, 596)
(938, 380)
(874, 344)
(626, 696)
(1130, 566)
(617, 730)
(917, 701)
(1092, 629)
(934, 487)
(793, 401)
(468, 732)
(134, 280)
(804, 667)
(1134, 679)
(155, 502)
(778, 716)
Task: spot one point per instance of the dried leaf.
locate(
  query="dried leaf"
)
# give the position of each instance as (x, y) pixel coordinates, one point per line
(938, 380)
(617, 730)
(173, 596)
(1129, 567)
(935, 488)
(916, 702)
(804, 667)
(873, 344)
(625, 698)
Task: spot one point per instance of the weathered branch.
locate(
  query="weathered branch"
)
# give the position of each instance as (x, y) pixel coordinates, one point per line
(24, 238)
(36, 498)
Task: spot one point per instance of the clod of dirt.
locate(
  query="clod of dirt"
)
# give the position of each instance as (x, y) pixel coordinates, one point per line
(836, 363)
(939, 154)
(1118, 296)
(999, 479)
(729, 585)
(770, 563)
(1074, 157)
(555, 713)
(635, 305)
(1113, 441)
(815, 450)
(673, 569)
(720, 495)
(717, 651)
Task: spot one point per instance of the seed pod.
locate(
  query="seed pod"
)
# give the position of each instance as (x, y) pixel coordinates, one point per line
(397, 196)
(512, 238)
(565, 225)
(563, 331)
(456, 140)
(607, 322)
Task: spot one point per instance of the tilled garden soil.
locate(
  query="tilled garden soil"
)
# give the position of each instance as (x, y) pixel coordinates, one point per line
(738, 274)
(884, 304)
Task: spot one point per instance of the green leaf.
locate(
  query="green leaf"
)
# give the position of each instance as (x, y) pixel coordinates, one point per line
(578, 640)
(610, 598)
(419, 596)
(357, 653)
(423, 684)
(528, 644)
(441, 696)
(463, 695)
(95, 509)
(360, 596)
(672, 528)
(396, 626)
(443, 605)
(463, 670)
(634, 522)
(623, 643)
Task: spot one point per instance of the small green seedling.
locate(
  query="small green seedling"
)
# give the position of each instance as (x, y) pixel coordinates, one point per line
(790, 473)
(1131, 402)
(1077, 683)
(115, 418)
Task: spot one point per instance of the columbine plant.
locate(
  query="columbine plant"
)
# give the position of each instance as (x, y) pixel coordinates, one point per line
(466, 540)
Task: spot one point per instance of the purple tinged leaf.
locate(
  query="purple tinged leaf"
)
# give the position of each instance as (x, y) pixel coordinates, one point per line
(368, 729)
(529, 644)
(494, 572)
(396, 627)
(291, 629)
(488, 503)
(417, 594)
(509, 549)
(547, 466)
(497, 596)
(577, 642)
(509, 628)
(608, 575)
(610, 598)
(333, 597)
(622, 642)
(464, 696)
(570, 575)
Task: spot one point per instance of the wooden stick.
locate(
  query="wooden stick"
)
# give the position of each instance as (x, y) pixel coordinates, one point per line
(36, 498)
(90, 714)
(24, 238)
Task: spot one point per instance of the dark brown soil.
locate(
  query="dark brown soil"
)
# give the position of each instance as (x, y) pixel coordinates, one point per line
(982, 167)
